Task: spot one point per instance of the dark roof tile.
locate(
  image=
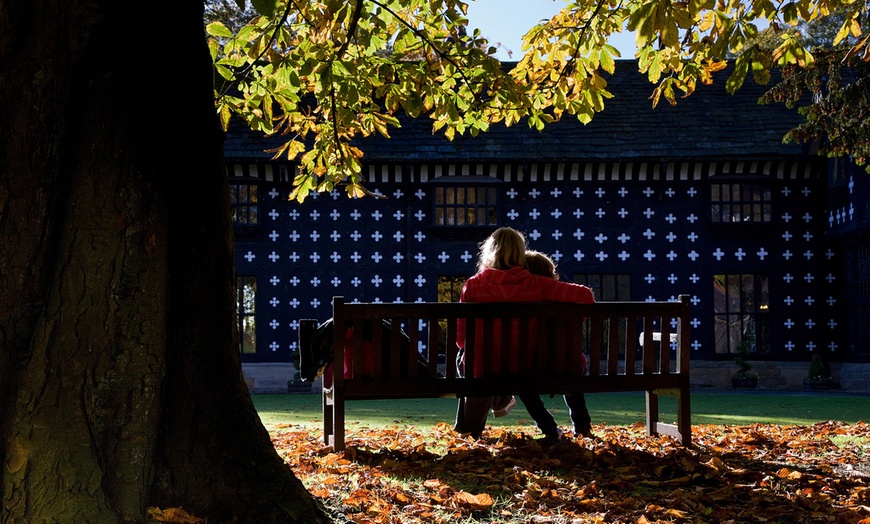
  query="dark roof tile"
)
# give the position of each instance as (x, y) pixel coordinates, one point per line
(708, 124)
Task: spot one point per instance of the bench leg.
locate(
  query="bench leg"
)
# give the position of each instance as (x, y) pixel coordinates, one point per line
(652, 413)
(338, 423)
(682, 430)
(328, 424)
(684, 416)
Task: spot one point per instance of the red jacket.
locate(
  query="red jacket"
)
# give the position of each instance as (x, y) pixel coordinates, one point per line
(513, 285)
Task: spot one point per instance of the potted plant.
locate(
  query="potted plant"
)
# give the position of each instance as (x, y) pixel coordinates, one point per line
(819, 374)
(744, 377)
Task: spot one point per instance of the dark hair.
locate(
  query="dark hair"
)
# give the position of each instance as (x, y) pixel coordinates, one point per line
(540, 264)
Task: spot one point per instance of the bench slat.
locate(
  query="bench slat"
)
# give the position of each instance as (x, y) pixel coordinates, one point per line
(665, 351)
(612, 345)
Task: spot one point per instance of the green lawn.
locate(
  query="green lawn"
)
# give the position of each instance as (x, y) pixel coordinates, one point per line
(720, 407)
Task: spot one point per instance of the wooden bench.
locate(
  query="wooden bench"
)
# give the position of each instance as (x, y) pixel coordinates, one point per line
(622, 341)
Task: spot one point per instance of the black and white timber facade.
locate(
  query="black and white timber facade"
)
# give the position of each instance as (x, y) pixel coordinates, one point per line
(703, 198)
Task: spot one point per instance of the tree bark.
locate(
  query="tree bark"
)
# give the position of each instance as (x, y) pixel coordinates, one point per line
(120, 375)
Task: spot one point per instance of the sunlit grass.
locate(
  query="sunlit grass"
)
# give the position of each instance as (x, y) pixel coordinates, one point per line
(617, 409)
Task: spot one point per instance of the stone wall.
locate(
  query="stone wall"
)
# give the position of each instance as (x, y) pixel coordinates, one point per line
(779, 375)
(271, 377)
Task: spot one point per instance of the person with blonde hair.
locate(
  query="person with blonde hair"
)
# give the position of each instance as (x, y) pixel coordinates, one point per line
(502, 277)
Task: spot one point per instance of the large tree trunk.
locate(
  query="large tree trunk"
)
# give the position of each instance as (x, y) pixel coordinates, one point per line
(120, 379)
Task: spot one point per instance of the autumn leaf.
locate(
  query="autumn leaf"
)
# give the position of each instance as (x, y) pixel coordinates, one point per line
(173, 516)
(479, 502)
(758, 472)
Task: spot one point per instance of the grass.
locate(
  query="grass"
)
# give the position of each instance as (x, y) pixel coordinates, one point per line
(612, 409)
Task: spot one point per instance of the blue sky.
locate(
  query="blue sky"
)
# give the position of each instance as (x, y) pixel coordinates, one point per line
(506, 21)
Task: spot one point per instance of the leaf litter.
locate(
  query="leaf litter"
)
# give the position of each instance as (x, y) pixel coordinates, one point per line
(733, 474)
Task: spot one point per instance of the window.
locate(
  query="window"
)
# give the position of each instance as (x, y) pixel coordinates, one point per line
(862, 271)
(449, 288)
(745, 202)
(465, 205)
(858, 269)
(606, 287)
(246, 309)
(862, 325)
(740, 306)
(243, 204)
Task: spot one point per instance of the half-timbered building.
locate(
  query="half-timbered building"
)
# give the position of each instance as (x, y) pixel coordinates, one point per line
(703, 198)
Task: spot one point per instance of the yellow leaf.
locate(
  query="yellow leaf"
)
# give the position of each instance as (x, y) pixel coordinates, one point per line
(855, 27)
(706, 22)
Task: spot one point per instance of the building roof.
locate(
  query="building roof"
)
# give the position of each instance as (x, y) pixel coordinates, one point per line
(710, 124)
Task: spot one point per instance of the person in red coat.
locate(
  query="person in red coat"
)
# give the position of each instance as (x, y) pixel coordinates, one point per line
(502, 277)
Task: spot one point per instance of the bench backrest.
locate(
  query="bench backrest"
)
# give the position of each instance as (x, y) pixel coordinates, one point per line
(622, 339)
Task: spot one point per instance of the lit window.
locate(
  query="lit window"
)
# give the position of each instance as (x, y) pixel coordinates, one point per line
(243, 204)
(745, 202)
(465, 205)
(246, 299)
(449, 288)
(742, 319)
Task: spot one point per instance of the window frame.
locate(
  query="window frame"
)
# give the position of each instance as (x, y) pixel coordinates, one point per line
(456, 283)
(246, 314)
(751, 205)
(250, 208)
(620, 290)
(751, 314)
(487, 210)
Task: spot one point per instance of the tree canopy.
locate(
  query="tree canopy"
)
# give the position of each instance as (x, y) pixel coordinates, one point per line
(324, 72)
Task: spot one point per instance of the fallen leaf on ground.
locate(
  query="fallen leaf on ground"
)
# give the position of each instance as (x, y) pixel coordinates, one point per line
(754, 473)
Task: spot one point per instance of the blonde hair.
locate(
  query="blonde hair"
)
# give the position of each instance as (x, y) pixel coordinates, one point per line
(503, 249)
(540, 264)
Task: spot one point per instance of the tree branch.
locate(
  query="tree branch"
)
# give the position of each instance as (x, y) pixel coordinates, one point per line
(354, 23)
(422, 36)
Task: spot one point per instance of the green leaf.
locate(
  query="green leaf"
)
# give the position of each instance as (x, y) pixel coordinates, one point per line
(789, 13)
(224, 71)
(219, 30)
(265, 7)
(738, 76)
(247, 33)
(760, 72)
